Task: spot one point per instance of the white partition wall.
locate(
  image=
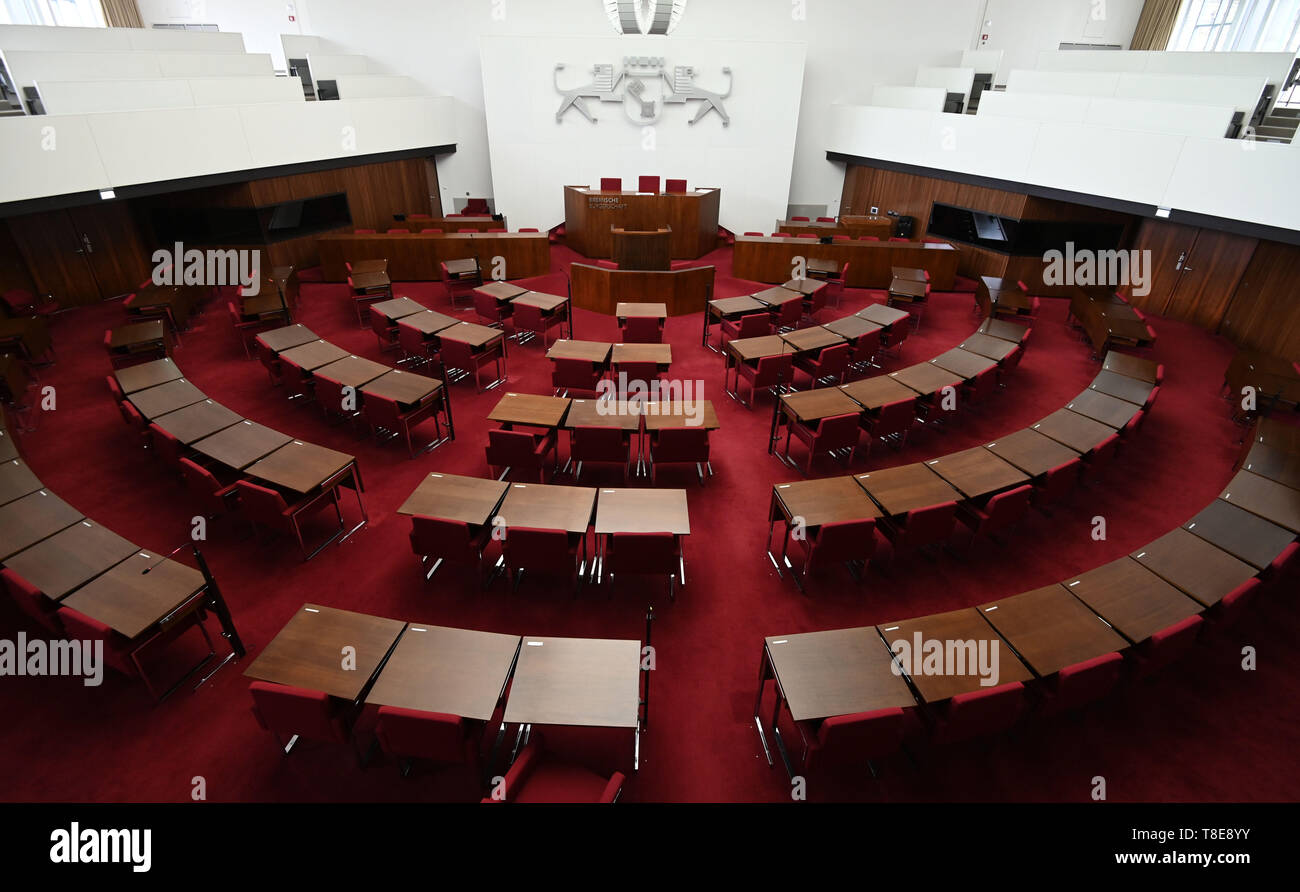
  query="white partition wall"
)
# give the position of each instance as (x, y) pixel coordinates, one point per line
(91, 97)
(374, 86)
(982, 61)
(951, 80)
(1273, 66)
(1242, 93)
(533, 154)
(40, 38)
(927, 98)
(28, 67)
(1126, 114)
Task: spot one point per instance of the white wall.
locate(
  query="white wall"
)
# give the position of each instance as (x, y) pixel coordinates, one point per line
(1024, 28)
(260, 21)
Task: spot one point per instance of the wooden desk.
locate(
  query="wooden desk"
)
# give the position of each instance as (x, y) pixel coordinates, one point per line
(353, 371)
(476, 336)
(1079, 432)
(280, 339)
(547, 507)
(241, 444)
(642, 511)
(766, 259)
(603, 413)
(1135, 601)
(547, 303)
(811, 340)
(407, 389)
(26, 521)
(1031, 452)
(595, 352)
(977, 472)
(806, 287)
(774, 298)
(659, 414)
(306, 652)
(905, 488)
(1265, 498)
(177, 301)
(1272, 377)
(471, 500)
(501, 292)
(131, 601)
(16, 480)
(927, 379)
(964, 363)
(397, 308)
(263, 307)
(1131, 390)
(821, 501)
(811, 406)
(529, 409)
(453, 671)
(627, 309)
(660, 354)
(463, 268)
(146, 375)
(137, 337)
(837, 672)
(1000, 328)
(906, 290)
(850, 328)
(1279, 465)
(197, 421)
(641, 248)
(1132, 366)
(1240, 533)
(965, 625)
(1051, 629)
(302, 467)
(368, 283)
(69, 559)
(680, 291)
(873, 393)
(311, 356)
(415, 257)
(988, 345)
(728, 308)
(1195, 566)
(378, 265)
(429, 322)
(1109, 410)
(30, 334)
(164, 398)
(588, 682)
(590, 216)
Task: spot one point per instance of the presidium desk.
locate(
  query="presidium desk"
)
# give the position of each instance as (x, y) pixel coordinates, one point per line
(601, 290)
(870, 263)
(590, 214)
(414, 257)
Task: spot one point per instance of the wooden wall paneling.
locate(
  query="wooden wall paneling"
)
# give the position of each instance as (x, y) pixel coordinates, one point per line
(118, 256)
(375, 191)
(1264, 313)
(55, 257)
(13, 266)
(432, 187)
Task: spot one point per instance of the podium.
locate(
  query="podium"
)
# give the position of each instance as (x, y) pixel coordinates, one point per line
(642, 249)
(590, 216)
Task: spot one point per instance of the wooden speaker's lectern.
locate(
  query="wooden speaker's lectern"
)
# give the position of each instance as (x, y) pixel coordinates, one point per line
(642, 249)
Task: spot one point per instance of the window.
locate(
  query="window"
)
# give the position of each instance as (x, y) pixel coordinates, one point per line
(1271, 26)
(77, 13)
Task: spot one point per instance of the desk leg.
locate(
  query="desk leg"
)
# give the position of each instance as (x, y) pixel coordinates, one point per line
(758, 705)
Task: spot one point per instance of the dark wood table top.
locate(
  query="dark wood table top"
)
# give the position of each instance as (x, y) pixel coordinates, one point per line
(1267, 498)
(429, 322)
(1272, 432)
(1031, 452)
(591, 682)
(471, 333)
(353, 371)
(625, 309)
(604, 413)
(370, 266)
(1277, 464)
(823, 265)
(813, 405)
(465, 266)
(530, 409)
(824, 500)
(501, 291)
(1079, 432)
(907, 272)
(313, 355)
(747, 349)
(657, 353)
(966, 673)
(137, 334)
(1244, 535)
(70, 558)
(804, 286)
(1109, 410)
(1134, 600)
(591, 351)
(454, 671)
(851, 327)
(129, 600)
(306, 653)
(471, 500)
(398, 308)
(807, 340)
(197, 421)
(366, 281)
(926, 378)
(1003, 330)
(1051, 629)
(16, 480)
(262, 306)
(406, 388)
(280, 339)
(155, 401)
(1190, 563)
(1132, 390)
(642, 511)
(540, 299)
(7, 448)
(26, 521)
(1132, 366)
(241, 444)
(299, 466)
(736, 306)
(977, 472)
(907, 289)
(904, 488)
(546, 507)
(872, 393)
(776, 296)
(146, 375)
(659, 414)
(837, 672)
(963, 362)
(988, 345)
(882, 315)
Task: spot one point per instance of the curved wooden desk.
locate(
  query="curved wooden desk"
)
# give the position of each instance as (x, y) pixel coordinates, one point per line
(682, 291)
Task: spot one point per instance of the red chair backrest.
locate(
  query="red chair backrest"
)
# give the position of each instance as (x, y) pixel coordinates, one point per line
(799, 219)
(932, 524)
(511, 448)
(643, 553)
(611, 184)
(833, 360)
(1082, 683)
(169, 448)
(1060, 480)
(486, 306)
(681, 444)
(897, 239)
(867, 346)
(642, 330)
(1284, 562)
(529, 229)
(838, 431)
(1005, 508)
(789, 314)
(805, 235)
(1169, 644)
(639, 371)
(825, 219)
(1105, 451)
(1012, 359)
(115, 389)
(675, 185)
(201, 482)
(537, 549)
(780, 235)
(411, 339)
(1233, 605)
(1135, 422)
(868, 238)
(894, 418)
(329, 393)
(647, 184)
(981, 713)
(457, 354)
(262, 505)
(380, 324)
(755, 325)
(900, 331)
(475, 206)
(32, 601)
(131, 415)
(412, 733)
(759, 234)
(399, 231)
(383, 412)
(575, 373)
(774, 370)
(19, 300)
(598, 444)
(529, 318)
(845, 540)
(856, 738)
(288, 710)
(440, 537)
(1151, 398)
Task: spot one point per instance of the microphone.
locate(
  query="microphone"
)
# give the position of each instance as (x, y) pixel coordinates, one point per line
(148, 569)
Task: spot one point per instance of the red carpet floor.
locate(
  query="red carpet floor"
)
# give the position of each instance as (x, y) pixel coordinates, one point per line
(1206, 731)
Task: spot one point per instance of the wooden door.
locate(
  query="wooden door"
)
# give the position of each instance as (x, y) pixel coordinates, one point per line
(1209, 277)
(116, 255)
(1170, 245)
(55, 256)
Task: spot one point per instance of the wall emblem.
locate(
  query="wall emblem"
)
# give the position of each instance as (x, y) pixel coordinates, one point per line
(645, 16)
(643, 87)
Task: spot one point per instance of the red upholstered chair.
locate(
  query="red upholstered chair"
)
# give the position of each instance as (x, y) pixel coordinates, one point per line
(674, 185)
(384, 414)
(1225, 615)
(416, 348)
(361, 298)
(680, 445)
(270, 360)
(549, 552)
(267, 508)
(1160, 373)
(431, 229)
(608, 445)
(399, 232)
(611, 184)
(645, 372)
(518, 449)
(32, 601)
(757, 234)
(1167, 646)
(115, 389)
(894, 337)
(1101, 457)
(787, 316)
(771, 372)
(1151, 398)
(1009, 364)
(21, 302)
(891, 423)
(800, 219)
(805, 235)
(476, 207)
(419, 217)
(363, 231)
(780, 235)
(1003, 511)
(642, 330)
(498, 229)
(385, 330)
(1282, 566)
(574, 374)
(841, 238)
(921, 527)
(825, 219)
(336, 399)
(1076, 686)
(301, 382)
(814, 303)
(845, 741)
(243, 330)
(864, 353)
(207, 489)
(752, 325)
(829, 366)
(457, 289)
(168, 449)
(122, 654)
(1133, 424)
(868, 238)
(647, 184)
(981, 387)
(1057, 483)
(646, 554)
(848, 542)
(134, 420)
(532, 319)
(894, 238)
(979, 714)
(407, 734)
(536, 777)
(298, 714)
(459, 355)
(449, 541)
(491, 312)
(833, 435)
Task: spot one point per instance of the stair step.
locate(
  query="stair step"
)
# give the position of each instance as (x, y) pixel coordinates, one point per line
(1284, 132)
(1285, 112)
